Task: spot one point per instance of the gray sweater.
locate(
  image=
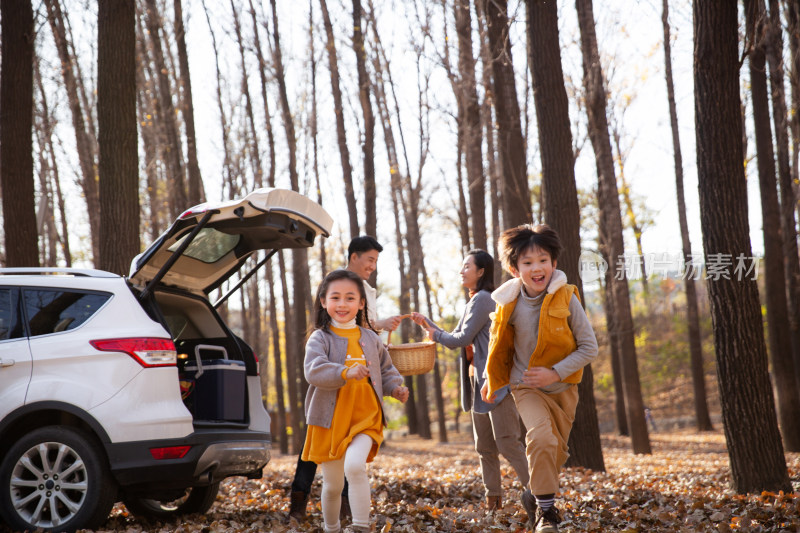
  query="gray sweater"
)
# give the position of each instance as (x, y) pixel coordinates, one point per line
(473, 328)
(325, 363)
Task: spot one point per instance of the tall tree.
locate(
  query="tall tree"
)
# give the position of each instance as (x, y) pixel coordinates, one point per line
(611, 224)
(85, 140)
(756, 455)
(341, 137)
(560, 196)
(172, 148)
(117, 136)
(471, 123)
(515, 192)
(780, 346)
(703, 419)
(301, 282)
(368, 139)
(16, 130)
(788, 200)
(195, 191)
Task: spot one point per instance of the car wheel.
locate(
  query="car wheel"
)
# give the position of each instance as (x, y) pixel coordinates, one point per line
(55, 479)
(194, 500)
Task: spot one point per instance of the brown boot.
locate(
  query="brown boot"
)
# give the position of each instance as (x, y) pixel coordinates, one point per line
(297, 505)
(493, 503)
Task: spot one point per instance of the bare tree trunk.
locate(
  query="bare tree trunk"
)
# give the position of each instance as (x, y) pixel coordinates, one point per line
(560, 197)
(344, 153)
(788, 200)
(16, 127)
(313, 124)
(793, 18)
(196, 193)
(695, 344)
(117, 135)
(511, 145)
(301, 283)
(149, 141)
(282, 422)
(172, 151)
(620, 409)
(780, 346)
(83, 138)
(368, 141)
(756, 455)
(470, 122)
(611, 225)
(49, 159)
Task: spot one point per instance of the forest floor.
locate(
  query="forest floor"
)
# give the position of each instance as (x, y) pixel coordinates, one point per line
(427, 486)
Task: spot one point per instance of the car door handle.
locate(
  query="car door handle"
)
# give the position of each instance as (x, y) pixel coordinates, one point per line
(7, 362)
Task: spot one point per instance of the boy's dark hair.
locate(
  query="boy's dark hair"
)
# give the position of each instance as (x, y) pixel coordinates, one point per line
(515, 241)
(361, 244)
(484, 261)
(322, 319)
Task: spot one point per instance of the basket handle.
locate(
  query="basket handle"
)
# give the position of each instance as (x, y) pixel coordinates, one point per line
(389, 335)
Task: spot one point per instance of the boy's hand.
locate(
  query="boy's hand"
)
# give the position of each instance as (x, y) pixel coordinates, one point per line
(400, 393)
(357, 371)
(485, 391)
(539, 376)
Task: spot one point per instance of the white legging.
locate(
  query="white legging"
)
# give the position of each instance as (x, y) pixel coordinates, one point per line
(354, 466)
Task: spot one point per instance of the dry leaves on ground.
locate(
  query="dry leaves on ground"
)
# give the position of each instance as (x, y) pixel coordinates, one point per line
(426, 486)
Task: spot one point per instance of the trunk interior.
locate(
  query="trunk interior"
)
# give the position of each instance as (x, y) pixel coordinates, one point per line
(212, 362)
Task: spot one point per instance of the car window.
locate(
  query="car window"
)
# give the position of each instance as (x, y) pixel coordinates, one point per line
(209, 246)
(53, 311)
(9, 327)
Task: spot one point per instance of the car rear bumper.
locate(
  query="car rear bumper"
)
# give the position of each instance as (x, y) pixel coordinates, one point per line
(213, 456)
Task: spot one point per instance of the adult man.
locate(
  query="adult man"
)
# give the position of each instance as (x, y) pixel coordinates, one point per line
(362, 259)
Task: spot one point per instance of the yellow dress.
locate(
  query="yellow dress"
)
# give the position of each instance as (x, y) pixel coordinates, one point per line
(357, 411)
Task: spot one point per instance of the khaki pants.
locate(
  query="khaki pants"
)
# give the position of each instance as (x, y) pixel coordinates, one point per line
(498, 432)
(548, 419)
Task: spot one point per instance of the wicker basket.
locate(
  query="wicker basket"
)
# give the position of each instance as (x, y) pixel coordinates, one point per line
(413, 358)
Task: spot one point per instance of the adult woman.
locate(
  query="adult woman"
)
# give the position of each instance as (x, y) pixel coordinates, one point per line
(496, 426)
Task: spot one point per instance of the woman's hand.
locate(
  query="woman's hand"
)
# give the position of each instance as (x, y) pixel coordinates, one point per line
(420, 319)
(357, 371)
(485, 391)
(539, 376)
(400, 393)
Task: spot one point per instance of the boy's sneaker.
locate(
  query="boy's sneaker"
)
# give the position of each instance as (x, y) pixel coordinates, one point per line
(547, 521)
(529, 504)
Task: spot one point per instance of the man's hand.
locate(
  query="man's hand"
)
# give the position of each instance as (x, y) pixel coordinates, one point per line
(539, 376)
(485, 391)
(400, 393)
(391, 323)
(357, 371)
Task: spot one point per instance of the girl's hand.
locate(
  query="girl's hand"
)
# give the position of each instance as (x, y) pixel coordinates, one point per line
(539, 376)
(400, 393)
(357, 371)
(485, 391)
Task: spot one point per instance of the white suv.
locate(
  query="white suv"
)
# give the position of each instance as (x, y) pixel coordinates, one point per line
(134, 389)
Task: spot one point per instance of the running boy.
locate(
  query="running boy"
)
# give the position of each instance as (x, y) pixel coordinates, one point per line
(539, 343)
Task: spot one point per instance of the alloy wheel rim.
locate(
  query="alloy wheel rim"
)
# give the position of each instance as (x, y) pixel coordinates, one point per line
(48, 484)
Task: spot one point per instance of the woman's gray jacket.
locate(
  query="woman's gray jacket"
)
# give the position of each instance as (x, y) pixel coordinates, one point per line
(325, 364)
(473, 328)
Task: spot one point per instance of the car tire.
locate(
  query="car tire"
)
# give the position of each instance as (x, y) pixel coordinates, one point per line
(56, 478)
(195, 500)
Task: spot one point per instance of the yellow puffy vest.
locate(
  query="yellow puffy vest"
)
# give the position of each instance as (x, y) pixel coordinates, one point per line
(554, 342)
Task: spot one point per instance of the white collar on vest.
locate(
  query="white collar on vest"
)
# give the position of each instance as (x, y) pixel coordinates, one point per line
(509, 291)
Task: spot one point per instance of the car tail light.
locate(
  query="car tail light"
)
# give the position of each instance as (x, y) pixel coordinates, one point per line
(169, 452)
(258, 366)
(148, 352)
